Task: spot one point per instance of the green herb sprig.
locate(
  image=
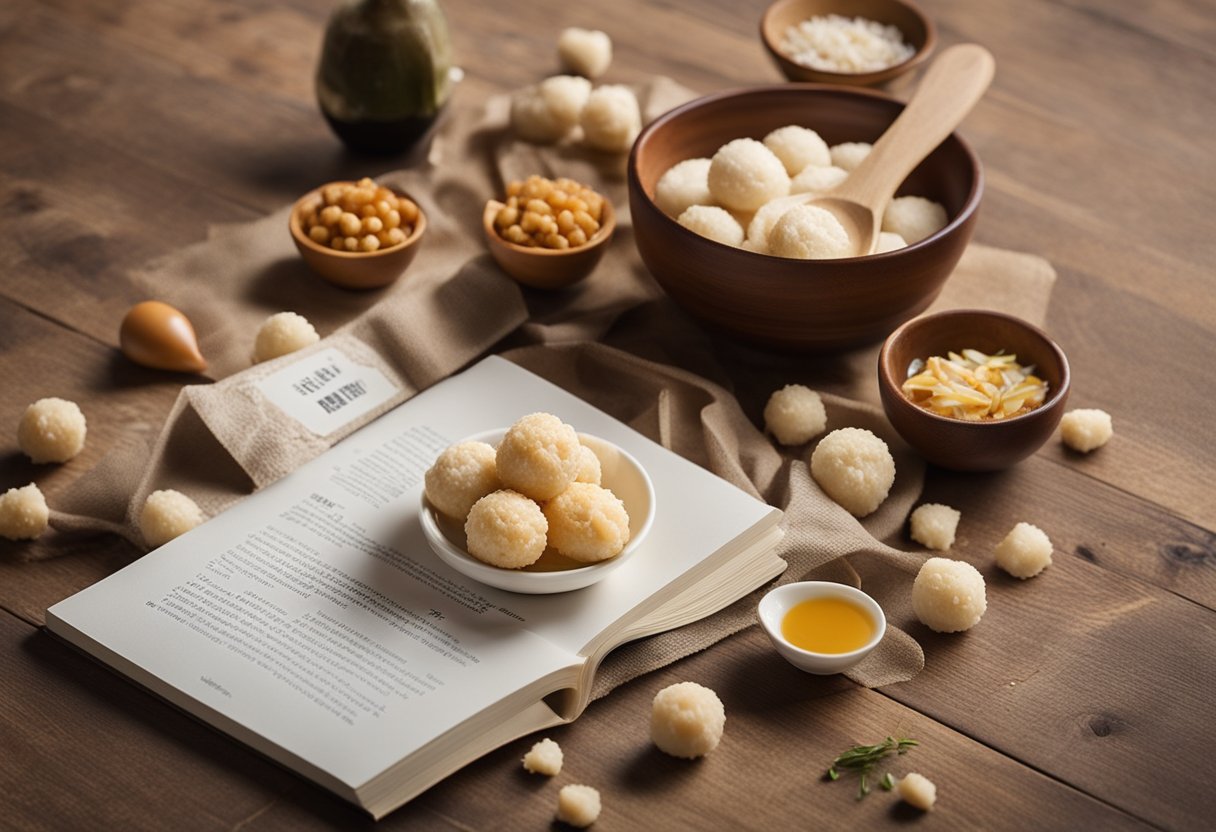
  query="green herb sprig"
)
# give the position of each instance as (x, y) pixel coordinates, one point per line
(864, 758)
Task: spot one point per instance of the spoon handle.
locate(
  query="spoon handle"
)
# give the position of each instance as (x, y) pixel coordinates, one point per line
(951, 87)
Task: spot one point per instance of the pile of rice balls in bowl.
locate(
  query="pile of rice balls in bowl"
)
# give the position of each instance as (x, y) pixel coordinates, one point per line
(752, 194)
(538, 490)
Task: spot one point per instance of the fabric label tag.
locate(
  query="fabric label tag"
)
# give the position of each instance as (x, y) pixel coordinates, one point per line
(326, 390)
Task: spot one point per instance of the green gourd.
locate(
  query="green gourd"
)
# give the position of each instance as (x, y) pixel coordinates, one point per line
(385, 72)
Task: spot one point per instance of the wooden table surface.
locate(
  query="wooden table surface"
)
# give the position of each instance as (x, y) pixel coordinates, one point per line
(128, 126)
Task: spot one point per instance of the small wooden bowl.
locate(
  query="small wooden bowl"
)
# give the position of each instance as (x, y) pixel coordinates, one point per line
(918, 31)
(972, 446)
(354, 269)
(548, 268)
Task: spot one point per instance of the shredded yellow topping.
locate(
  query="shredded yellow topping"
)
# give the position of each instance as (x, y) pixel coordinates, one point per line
(974, 386)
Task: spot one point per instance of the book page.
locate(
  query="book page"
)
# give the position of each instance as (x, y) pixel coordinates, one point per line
(314, 613)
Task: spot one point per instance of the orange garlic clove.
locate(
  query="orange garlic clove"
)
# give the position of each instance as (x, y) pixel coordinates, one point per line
(156, 335)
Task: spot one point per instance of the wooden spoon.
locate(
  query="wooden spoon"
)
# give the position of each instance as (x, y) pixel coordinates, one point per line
(951, 87)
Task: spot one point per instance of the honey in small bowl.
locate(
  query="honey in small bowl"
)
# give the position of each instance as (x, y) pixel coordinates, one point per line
(828, 625)
(822, 627)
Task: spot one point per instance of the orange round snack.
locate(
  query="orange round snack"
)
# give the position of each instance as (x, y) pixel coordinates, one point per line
(362, 216)
(544, 213)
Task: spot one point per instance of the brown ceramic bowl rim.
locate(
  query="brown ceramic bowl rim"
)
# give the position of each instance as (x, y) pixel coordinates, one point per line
(888, 378)
(303, 239)
(607, 226)
(859, 78)
(970, 205)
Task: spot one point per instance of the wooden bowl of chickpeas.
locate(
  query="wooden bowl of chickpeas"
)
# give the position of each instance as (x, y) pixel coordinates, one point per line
(549, 234)
(357, 235)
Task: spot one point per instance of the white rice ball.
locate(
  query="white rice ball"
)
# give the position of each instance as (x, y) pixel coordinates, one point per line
(914, 218)
(818, 179)
(587, 523)
(506, 529)
(565, 96)
(855, 468)
(589, 468)
(713, 222)
(934, 525)
(684, 185)
(544, 758)
(687, 720)
(795, 414)
(1025, 551)
(762, 222)
(918, 791)
(539, 456)
(611, 119)
(167, 514)
(23, 513)
(889, 241)
(578, 805)
(948, 595)
(848, 155)
(460, 476)
(744, 174)
(283, 333)
(808, 232)
(1086, 429)
(797, 148)
(531, 118)
(586, 52)
(51, 430)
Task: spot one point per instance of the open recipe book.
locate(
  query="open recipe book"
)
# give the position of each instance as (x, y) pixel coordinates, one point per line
(312, 621)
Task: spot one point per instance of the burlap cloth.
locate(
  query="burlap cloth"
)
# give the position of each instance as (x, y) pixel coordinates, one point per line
(614, 340)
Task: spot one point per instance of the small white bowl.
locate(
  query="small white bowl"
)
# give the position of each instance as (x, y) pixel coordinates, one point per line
(623, 475)
(778, 602)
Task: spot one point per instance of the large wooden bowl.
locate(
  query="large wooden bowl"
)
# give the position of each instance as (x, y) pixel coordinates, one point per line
(954, 443)
(797, 305)
(918, 31)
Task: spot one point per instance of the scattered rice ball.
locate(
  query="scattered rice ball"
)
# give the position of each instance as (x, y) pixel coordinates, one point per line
(578, 805)
(934, 525)
(51, 430)
(918, 791)
(687, 720)
(283, 333)
(855, 468)
(586, 52)
(744, 174)
(587, 523)
(798, 148)
(948, 595)
(460, 476)
(167, 514)
(611, 119)
(532, 119)
(544, 758)
(1086, 429)
(848, 155)
(565, 96)
(808, 232)
(1025, 551)
(506, 529)
(713, 223)
(23, 513)
(589, 468)
(818, 179)
(914, 218)
(795, 414)
(684, 185)
(889, 241)
(539, 456)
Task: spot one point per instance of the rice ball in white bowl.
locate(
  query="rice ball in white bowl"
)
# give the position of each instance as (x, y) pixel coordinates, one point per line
(914, 218)
(948, 596)
(798, 148)
(808, 232)
(715, 223)
(818, 179)
(855, 468)
(611, 119)
(682, 186)
(849, 155)
(744, 174)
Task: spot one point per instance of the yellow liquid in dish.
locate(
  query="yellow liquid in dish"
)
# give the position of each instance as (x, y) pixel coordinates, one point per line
(827, 625)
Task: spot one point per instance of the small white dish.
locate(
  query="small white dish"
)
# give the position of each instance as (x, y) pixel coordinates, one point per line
(776, 603)
(621, 474)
